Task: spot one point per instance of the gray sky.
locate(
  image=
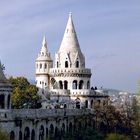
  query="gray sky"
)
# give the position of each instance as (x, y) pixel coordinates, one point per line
(108, 33)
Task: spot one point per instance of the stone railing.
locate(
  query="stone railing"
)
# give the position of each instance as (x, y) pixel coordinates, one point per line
(43, 71)
(60, 92)
(70, 70)
(44, 113)
(80, 92)
(86, 92)
(76, 92)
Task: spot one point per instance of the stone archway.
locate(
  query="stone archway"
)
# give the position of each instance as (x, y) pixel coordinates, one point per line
(63, 129)
(41, 133)
(27, 133)
(77, 101)
(88, 85)
(20, 135)
(60, 85)
(8, 102)
(12, 135)
(33, 135)
(81, 84)
(91, 104)
(65, 84)
(2, 98)
(51, 130)
(74, 84)
(47, 132)
(86, 104)
(70, 128)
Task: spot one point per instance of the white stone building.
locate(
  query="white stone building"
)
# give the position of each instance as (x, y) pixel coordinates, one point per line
(68, 81)
(66, 85)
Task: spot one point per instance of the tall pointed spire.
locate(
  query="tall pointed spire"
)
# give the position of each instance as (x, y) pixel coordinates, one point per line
(70, 41)
(44, 45)
(2, 76)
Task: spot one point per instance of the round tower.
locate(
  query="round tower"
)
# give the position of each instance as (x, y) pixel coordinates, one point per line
(70, 72)
(43, 65)
(5, 91)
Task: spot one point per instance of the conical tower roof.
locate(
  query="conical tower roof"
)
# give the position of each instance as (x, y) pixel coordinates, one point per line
(69, 42)
(70, 49)
(2, 76)
(4, 84)
(44, 53)
(44, 45)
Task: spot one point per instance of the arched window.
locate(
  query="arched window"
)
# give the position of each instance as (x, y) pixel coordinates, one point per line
(65, 84)
(8, 102)
(70, 128)
(53, 83)
(77, 103)
(12, 135)
(51, 131)
(2, 101)
(86, 104)
(88, 85)
(56, 132)
(27, 133)
(57, 64)
(40, 66)
(33, 135)
(63, 129)
(45, 66)
(66, 64)
(47, 133)
(91, 104)
(41, 133)
(74, 84)
(60, 85)
(77, 64)
(81, 84)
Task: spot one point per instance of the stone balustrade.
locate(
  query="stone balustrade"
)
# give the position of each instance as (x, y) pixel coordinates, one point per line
(70, 70)
(40, 113)
(76, 92)
(60, 92)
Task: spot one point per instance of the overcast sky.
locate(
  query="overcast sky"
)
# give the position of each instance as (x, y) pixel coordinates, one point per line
(108, 33)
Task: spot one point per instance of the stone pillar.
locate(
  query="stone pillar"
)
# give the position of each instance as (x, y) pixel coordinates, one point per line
(63, 84)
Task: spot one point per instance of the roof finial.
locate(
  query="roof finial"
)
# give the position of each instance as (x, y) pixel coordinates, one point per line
(70, 14)
(44, 43)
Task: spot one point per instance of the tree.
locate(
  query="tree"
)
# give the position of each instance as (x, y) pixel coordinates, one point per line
(113, 136)
(24, 94)
(3, 135)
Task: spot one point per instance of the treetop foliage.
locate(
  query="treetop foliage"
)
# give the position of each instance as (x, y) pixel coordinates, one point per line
(24, 94)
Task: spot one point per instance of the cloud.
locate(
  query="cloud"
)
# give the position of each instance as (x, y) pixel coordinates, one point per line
(108, 33)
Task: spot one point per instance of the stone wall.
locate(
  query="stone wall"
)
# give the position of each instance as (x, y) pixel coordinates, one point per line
(39, 124)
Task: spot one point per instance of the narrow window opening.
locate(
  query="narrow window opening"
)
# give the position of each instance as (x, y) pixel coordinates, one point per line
(66, 64)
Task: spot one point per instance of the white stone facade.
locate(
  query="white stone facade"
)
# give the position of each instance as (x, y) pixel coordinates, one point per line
(66, 84)
(68, 81)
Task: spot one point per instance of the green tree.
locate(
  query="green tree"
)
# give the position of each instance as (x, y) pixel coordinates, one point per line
(3, 135)
(24, 94)
(113, 136)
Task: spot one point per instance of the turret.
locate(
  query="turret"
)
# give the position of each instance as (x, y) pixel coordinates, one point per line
(69, 54)
(5, 91)
(43, 65)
